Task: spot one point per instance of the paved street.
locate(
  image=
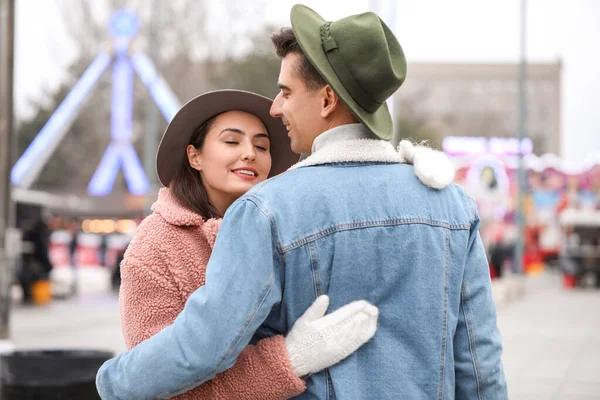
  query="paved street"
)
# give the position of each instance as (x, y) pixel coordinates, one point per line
(90, 321)
(551, 336)
(552, 342)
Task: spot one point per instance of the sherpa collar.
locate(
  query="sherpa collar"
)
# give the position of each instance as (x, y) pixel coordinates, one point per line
(173, 212)
(354, 143)
(350, 143)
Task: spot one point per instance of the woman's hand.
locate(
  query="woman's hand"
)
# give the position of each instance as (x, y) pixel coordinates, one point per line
(317, 341)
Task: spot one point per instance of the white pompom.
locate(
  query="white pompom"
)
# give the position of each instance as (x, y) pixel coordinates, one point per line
(407, 151)
(433, 167)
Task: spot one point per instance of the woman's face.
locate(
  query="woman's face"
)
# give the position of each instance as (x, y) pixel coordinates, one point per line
(235, 156)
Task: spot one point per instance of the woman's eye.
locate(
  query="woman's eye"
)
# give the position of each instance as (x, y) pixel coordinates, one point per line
(261, 148)
(231, 142)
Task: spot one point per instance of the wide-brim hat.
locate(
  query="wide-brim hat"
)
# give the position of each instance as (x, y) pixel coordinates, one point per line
(177, 136)
(359, 57)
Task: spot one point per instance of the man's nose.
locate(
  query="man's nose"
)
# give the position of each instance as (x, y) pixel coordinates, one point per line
(276, 107)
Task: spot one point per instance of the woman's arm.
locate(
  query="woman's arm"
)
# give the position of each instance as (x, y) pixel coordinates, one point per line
(150, 301)
(219, 319)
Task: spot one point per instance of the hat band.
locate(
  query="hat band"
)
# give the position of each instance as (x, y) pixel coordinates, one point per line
(339, 67)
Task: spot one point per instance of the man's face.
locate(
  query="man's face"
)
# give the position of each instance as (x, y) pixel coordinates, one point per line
(298, 108)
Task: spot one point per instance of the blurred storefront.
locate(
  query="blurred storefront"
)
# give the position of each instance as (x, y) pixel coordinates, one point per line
(86, 230)
(487, 169)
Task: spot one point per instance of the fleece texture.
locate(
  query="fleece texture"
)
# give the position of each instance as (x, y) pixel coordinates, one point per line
(164, 263)
(432, 167)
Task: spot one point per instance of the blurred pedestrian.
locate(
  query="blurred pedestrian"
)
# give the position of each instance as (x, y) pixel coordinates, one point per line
(102, 250)
(73, 229)
(35, 263)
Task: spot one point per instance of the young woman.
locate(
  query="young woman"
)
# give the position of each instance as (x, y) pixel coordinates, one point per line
(218, 146)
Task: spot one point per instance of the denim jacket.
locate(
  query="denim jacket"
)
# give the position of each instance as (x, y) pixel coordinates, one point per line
(353, 222)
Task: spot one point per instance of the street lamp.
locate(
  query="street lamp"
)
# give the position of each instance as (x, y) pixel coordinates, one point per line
(7, 24)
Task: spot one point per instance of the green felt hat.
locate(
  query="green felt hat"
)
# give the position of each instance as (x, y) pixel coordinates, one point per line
(359, 57)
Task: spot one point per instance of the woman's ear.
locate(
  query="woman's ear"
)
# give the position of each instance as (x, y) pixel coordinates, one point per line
(194, 157)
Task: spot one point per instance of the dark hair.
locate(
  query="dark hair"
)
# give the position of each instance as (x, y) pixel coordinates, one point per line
(285, 43)
(186, 185)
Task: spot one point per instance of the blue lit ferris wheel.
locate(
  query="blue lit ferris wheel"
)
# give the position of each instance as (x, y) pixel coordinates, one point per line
(123, 26)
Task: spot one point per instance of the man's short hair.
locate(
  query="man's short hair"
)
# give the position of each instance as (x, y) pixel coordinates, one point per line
(285, 43)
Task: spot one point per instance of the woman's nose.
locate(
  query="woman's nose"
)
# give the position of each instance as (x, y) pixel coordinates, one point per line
(249, 152)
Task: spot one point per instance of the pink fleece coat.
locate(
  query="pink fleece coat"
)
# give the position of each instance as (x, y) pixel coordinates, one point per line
(164, 263)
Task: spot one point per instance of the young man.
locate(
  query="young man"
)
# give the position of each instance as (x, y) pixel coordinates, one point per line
(350, 221)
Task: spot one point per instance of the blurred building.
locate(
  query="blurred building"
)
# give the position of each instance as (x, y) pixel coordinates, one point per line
(482, 100)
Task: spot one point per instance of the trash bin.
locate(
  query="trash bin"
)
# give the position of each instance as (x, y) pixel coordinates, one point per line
(50, 374)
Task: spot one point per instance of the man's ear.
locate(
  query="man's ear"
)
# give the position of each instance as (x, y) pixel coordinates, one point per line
(329, 101)
(194, 157)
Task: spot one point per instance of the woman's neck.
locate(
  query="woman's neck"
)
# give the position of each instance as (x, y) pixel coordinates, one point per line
(220, 202)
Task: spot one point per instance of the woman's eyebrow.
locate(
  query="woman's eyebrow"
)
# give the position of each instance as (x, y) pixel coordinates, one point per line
(234, 130)
(241, 132)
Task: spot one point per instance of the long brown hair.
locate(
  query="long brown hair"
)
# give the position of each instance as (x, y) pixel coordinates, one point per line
(186, 185)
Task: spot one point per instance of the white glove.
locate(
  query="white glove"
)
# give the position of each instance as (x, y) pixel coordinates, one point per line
(317, 342)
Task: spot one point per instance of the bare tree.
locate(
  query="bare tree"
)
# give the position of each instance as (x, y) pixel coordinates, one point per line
(193, 28)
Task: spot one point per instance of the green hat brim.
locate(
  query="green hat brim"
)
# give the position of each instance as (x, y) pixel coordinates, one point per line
(306, 25)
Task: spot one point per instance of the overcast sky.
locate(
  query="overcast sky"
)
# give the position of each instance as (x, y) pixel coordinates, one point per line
(429, 30)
